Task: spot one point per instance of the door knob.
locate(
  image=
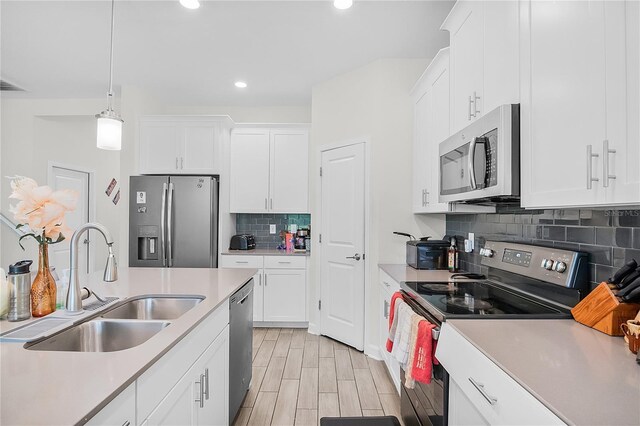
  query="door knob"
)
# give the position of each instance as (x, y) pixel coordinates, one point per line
(355, 256)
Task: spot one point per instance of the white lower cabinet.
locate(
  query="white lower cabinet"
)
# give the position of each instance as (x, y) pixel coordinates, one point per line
(388, 286)
(168, 390)
(121, 411)
(279, 287)
(481, 392)
(200, 397)
(284, 295)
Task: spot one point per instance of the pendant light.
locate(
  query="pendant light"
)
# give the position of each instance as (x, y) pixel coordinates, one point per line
(109, 135)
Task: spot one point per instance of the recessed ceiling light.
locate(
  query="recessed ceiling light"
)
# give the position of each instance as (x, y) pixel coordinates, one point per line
(240, 84)
(190, 4)
(342, 4)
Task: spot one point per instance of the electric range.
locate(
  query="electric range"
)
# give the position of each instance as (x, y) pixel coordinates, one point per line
(523, 282)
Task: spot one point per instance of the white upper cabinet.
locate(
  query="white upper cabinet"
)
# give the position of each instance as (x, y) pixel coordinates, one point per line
(249, 171)
(580, 93)
(484, 58)
(181, 144)
(269, 170)
(289, 171)
(431, 126)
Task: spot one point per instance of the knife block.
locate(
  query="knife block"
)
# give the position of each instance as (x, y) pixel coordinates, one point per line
(602, 311)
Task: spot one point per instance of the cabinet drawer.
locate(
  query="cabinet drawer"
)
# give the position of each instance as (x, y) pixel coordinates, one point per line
(388, 283)
(158, 380)
(481, 380)
(289, 262)
(241, 261)
(120, 411)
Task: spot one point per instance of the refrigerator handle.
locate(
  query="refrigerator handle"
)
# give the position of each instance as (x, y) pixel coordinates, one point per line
(170, 225)
(163, 209)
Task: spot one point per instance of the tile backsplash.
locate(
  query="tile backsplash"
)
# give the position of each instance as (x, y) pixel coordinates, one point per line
(258, 225)
(611, 237)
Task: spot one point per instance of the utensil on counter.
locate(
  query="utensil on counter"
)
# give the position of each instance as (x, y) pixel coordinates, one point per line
(634, 339)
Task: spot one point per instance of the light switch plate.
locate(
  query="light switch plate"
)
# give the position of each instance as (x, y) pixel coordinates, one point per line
(472, 242)
(272, 229)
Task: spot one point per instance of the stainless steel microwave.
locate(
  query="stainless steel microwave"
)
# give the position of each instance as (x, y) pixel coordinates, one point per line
(481, 163)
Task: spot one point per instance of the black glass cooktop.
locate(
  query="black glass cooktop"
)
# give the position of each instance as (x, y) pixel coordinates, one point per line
(475, 299)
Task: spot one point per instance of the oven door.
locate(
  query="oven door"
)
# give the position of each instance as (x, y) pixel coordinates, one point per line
(426, 405)
(464, 168)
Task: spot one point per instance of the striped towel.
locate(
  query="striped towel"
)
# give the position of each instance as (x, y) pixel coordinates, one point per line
(401, 341)
(409, 379)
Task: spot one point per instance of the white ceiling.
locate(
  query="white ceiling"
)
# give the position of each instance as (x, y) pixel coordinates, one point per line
(59, 49)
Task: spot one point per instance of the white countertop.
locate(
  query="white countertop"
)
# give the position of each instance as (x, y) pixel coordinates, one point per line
(55, 388)
(267, 252)
(584, 376)
(407, 273)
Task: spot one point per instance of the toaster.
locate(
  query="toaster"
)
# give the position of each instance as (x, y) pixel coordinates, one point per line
(242, 242)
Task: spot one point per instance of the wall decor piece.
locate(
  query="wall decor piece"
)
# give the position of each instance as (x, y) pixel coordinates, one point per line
(116, 198)
(111, 186)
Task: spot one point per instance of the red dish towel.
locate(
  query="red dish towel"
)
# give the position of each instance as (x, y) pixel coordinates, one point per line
(392, 310)
(423, 358)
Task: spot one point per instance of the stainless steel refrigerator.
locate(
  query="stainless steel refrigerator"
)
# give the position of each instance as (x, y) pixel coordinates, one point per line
(173, 221)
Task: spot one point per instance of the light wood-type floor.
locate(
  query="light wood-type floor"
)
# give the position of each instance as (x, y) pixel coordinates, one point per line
(300, 377)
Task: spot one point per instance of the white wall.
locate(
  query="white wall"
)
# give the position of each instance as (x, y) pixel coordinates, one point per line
(35, 132)
(372, 102)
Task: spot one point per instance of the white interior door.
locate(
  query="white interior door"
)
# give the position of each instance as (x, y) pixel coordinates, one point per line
(67, 178)
(342, 246)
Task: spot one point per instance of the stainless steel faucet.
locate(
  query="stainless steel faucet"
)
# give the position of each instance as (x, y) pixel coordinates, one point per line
(74, 300)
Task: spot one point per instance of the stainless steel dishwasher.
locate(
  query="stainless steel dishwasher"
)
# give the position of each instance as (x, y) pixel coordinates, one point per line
(240, 346)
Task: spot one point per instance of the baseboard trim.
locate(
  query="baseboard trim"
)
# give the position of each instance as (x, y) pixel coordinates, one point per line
(277, 324)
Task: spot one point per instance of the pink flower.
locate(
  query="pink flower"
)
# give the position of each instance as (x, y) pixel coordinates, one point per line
(40, 208)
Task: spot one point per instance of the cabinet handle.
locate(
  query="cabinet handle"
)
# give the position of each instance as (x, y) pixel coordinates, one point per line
(242, 261)
(265, 204)
(476, 111)
(283, 262)
(271, 203)
(386, 309)
(127, 423)
(469, 119)
(259, 280)
(590, 157)
(206, 383)
(605, 163)
(386, 283)
(201, 385)
(176, 163)
(265, 280)
(480, 387)
(426, 197)
(181, 163)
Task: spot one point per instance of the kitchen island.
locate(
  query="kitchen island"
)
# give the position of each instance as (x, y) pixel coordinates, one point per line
(54, 387)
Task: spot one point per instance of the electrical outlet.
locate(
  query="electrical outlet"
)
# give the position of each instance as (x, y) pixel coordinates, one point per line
(272, 229)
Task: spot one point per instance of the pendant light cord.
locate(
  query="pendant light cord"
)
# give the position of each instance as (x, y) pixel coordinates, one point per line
(110, 94)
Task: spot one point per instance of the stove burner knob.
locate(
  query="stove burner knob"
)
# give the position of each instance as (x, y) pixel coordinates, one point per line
(560, 267)
(486, 252)
(547, 264)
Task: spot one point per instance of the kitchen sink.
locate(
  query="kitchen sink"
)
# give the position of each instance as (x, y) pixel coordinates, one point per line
(153, 307)
(100, 336)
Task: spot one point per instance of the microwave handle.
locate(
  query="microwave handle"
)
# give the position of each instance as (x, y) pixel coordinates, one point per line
(472, 156)
(472, 166)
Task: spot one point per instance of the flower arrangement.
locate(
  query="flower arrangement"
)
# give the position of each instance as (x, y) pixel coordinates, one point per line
(40, 210)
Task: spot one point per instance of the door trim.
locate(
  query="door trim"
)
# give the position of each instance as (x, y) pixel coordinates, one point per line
(91, 201)
(317, 328)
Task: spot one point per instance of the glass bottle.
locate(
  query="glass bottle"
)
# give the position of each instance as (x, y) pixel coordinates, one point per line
(43, 289)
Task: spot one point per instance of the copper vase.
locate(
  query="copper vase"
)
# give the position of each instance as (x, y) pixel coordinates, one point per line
(43, 289)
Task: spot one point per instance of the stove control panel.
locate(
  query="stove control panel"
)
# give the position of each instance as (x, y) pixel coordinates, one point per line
(562, 267)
